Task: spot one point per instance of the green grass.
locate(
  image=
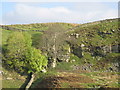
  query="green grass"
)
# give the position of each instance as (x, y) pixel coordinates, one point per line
(114, 85)
(5, 34)
(16, 82)
(62, 66)
(39, 26)
(100, 81)
(92, 73)
(12, 83)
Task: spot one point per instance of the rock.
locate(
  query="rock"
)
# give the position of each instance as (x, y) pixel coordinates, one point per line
(63, 58)
(73, 60)
(76, 67)
(76, 35)
(67, 60)
(8, 78)
(82, 45)
(44, 70)
(1, 72)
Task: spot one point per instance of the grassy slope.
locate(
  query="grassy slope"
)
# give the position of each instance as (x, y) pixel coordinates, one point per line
(95, 32)
(11, 79)
(98, 34)
(40, 26)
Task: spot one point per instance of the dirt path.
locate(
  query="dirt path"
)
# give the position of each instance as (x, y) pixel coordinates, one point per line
(65, 80)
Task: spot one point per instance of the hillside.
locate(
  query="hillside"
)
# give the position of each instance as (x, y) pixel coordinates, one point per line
(36, 26)
(78, 55)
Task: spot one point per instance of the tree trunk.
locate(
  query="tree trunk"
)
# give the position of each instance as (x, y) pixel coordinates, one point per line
(110, 48)
(53, 65)
(30, 82)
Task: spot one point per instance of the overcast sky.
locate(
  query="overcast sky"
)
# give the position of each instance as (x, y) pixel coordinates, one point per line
(69, 12)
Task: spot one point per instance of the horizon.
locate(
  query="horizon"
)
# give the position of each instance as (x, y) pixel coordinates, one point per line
(60, 22)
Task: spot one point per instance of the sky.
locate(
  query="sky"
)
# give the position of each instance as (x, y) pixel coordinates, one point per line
(68, 12)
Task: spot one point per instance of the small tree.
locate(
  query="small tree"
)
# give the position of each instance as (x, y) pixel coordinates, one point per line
(15, 50)
(21, 56)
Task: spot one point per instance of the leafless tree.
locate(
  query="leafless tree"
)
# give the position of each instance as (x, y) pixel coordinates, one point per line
(53, 38)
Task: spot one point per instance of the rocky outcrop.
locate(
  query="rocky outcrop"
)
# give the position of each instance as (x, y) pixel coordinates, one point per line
(111, 49)
(76, 35)
(64, 58)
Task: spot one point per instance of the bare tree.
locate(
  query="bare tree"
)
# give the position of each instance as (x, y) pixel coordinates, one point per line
(53, 38)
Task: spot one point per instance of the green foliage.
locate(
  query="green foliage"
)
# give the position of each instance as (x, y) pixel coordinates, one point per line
(34, 60)
(15, 50)
(21, 56)
(37, 40)
(5, 35)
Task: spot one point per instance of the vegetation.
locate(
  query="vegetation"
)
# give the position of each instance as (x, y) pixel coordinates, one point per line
(38, 26)
(20, 56)
(66, 47)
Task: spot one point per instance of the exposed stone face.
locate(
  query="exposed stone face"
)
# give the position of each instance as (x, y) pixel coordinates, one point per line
(111, 49)
(76, 35)
(114, 67)
(115, 48)
(64, 58)
(53, 64)
(87, 67)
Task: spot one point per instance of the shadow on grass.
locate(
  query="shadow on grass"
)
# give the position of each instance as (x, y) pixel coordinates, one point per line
(34, 84)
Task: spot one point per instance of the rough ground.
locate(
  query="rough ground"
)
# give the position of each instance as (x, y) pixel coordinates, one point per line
(78, 79)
